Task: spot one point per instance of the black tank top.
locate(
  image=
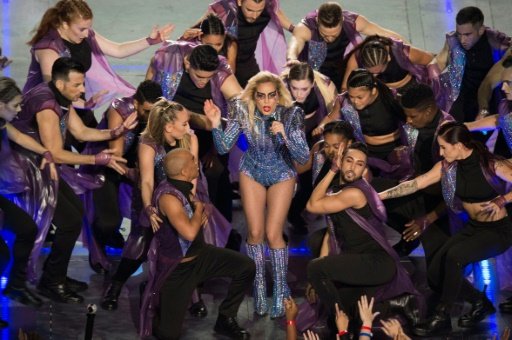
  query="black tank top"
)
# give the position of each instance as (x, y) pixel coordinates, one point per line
(354, 238)
(472, 187)
(309, 106)
(248, 35)
(393, 72)
(80, 52)
(333, 65)
(377, 120)
(190, 96)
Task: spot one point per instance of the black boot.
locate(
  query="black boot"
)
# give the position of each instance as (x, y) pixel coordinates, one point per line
(229, 327)
(98, 269)
(438, 324)
(480, 309)
(407, 306)
(111, 295)
(506, 307)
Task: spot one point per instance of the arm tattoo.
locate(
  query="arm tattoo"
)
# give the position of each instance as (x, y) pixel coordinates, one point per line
(403, 189)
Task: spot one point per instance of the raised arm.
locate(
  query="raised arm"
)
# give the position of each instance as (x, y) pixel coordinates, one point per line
(367, 28)
(126, 49)
(441, 59)
(410, 187)
(223, 139)
(230, 88)
(320, 203)
(351, 66)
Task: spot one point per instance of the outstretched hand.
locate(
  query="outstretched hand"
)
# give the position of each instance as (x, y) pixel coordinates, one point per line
(212, 112)
(365, 311)
(161, 34)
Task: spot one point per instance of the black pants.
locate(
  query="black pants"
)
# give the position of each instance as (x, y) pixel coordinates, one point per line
(353, 273)
(107, 215)
(210, 263)
(477, 241)
(68, 219)
(300, 199)
(25, 230)
(219, 186)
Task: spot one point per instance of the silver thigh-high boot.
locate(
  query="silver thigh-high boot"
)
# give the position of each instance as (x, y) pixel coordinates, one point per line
(257, 253)
(279, 259)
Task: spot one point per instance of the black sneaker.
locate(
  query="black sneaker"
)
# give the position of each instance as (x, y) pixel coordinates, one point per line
(229, 327)
(198, 309)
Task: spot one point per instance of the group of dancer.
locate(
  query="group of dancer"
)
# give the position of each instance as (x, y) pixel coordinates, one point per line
(330, 124)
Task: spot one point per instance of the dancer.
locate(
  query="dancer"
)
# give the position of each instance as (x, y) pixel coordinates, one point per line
(46, 115)
(112, 201)
(66, 30)
(376, 117)
(257, 26)
(390, 60)
(211, 31)
(355, 252)
(190, 74)
(473, 180)
(315, 94)
(181, 259)
(167, 129)
(275, 133)
(467, 55)
(326, 35)
(13, 181)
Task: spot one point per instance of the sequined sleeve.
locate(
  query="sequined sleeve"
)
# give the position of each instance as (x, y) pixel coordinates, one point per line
(296, 137)
(224, 139)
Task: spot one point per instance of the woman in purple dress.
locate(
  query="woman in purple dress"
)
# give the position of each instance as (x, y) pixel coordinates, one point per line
(13, 180)
(66, 30)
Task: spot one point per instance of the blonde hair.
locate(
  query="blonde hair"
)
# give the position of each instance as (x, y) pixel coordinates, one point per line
(164, 111)
(285, 98)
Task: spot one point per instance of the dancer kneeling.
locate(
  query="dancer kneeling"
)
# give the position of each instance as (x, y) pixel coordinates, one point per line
(355, 254)
(180, 259)
(473, 180)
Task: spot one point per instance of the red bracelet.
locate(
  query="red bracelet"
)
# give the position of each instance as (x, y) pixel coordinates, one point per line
(366, 327)
(341, 333)
(290, 322)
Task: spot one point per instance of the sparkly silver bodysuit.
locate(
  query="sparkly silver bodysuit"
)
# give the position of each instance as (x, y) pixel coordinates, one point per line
(269, 159)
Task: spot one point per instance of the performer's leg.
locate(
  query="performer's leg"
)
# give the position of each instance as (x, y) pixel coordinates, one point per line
(253, 201)
(68, 220)
(278, 202)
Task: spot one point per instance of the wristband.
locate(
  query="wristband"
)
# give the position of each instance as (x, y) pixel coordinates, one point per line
(500, 201)
(290, 322)
(484, 112)
(291, 28)
(370, 335)
(366, 328)
(102, 158)
(341, 333)
(154, 41)
(48, 156)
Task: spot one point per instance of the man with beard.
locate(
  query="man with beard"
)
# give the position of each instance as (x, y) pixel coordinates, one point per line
(367, 264)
